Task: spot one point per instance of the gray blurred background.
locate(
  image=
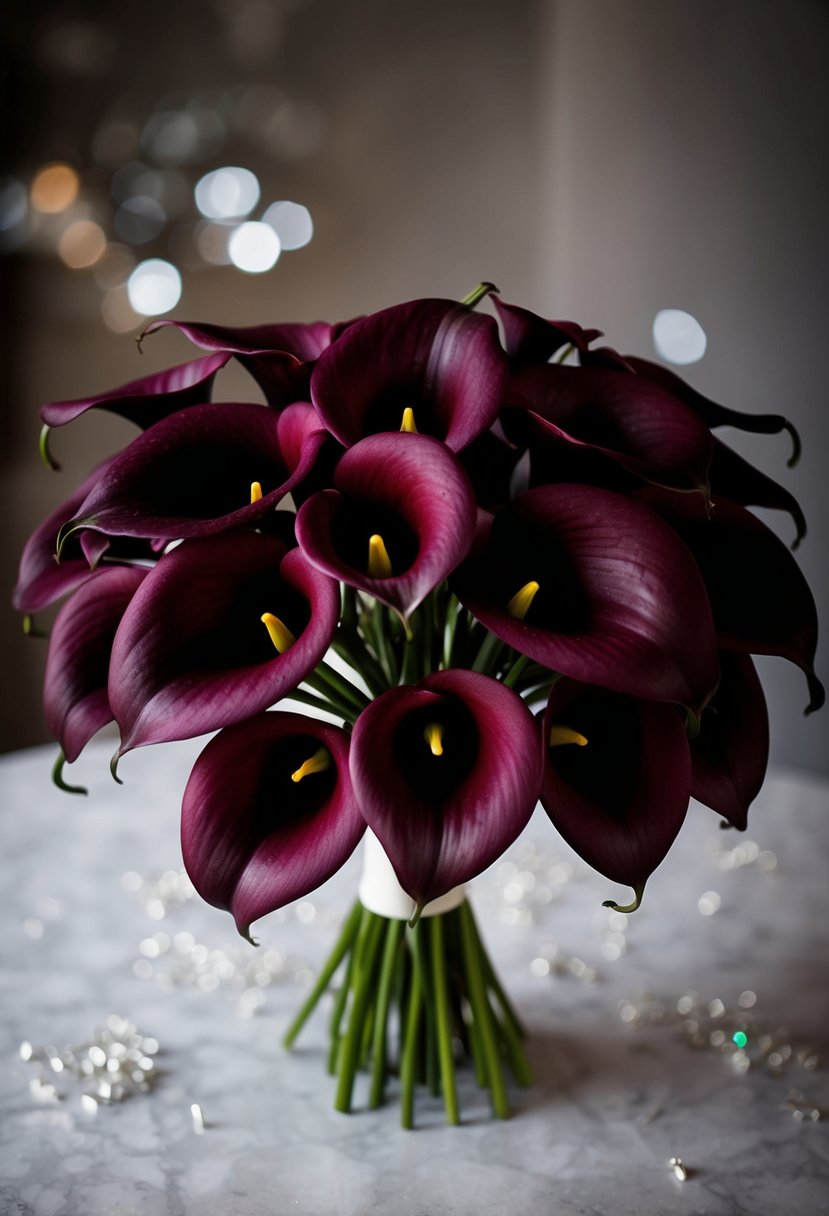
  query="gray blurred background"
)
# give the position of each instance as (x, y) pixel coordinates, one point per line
(600, 160)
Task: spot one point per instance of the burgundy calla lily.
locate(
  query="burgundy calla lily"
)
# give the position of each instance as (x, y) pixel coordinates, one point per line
(41, 580)
(149, 399)
(529, 339)
(446, 774)
(436, 358)
(278, 357)
(75, 686)
(760, 601)
(620, 417)
(617, 778)
(411, 493)
(191, 473)
(731, 751)
(268, 814)
(588, 584)
(192, 653)
(737, 480)
(709, 411)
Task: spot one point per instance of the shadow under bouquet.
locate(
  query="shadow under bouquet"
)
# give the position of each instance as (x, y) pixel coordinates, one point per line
(506, 564)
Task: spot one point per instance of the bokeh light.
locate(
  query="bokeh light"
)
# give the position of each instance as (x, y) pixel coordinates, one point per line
(139, 220)
(227, 193)
(291, 222)
(254, 247)
(678, 337)
(154, 287)
(54, 188)
(82, 244)
(118, 313)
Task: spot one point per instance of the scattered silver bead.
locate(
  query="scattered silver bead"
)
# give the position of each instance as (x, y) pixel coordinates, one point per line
(678, 1166)
(115, 1062)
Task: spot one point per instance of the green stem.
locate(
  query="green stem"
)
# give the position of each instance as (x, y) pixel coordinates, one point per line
(344, 943)
(351, 648)
(388, 968)
(308, 698)
(408, 1058)
(478, 294)
(341, 686)
(340, 1002)
(444, 1029)
(516, 671)
(365, 955)
(482, 1013)
(486, 656)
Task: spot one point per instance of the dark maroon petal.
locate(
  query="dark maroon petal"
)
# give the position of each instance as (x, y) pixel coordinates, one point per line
(443, 819)
(408, 489)
(435, 356)
(620, 603)
(627, 419)
(192, 654)
(709, 411)
(530, 339)
(191, 473)
(253, 839)
(736, 479)
(278, 357)
(75, 686)
(731, 751)
(149, 399)
(619, 800)
(490, 463)
(42, 580)
(760, 600)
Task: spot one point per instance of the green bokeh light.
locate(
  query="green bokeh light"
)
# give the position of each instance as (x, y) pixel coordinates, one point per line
(740, 1038)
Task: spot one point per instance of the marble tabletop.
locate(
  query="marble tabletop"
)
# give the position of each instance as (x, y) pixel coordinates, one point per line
(733, 931)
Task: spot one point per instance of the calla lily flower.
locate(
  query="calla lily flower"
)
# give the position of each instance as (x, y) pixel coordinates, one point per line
(760, 601)
(709, 411)
(278, 357)
(619, 417)
(736, 479)
(431, 365)
(149, 399)
(193, 474)
(42, 580)
(268, 814)
(731, 751)
(75, 686)
(586, 583)
(529, 339)
(617, 778)
(400, 518)
(446, 774)
(221, 629)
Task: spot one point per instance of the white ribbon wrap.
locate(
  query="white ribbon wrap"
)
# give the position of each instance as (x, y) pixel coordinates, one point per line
(381, 893)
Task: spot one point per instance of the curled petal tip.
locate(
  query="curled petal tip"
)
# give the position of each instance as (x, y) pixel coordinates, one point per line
(57, 777)
(479, 293)
(796, 445)
(45, 454)
(638, 892)
(415, 916)
(113, 766)
(244, 931)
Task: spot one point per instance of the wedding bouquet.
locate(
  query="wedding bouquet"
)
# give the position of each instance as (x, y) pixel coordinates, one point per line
(536, 566)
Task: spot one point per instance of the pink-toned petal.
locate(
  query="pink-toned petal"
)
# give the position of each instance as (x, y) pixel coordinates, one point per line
(75, 685)
(252, 838)
(436, 357)
(149, 399)
(442, 819)
(192, 655)
(620, 603)
(408, 489)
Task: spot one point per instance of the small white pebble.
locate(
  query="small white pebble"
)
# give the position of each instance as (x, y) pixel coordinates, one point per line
(197, 1117)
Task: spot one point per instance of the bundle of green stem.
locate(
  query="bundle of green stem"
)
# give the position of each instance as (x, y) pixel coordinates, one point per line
(416, 1002)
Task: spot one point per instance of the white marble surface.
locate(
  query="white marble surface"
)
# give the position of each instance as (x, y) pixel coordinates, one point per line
(610, 1104)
